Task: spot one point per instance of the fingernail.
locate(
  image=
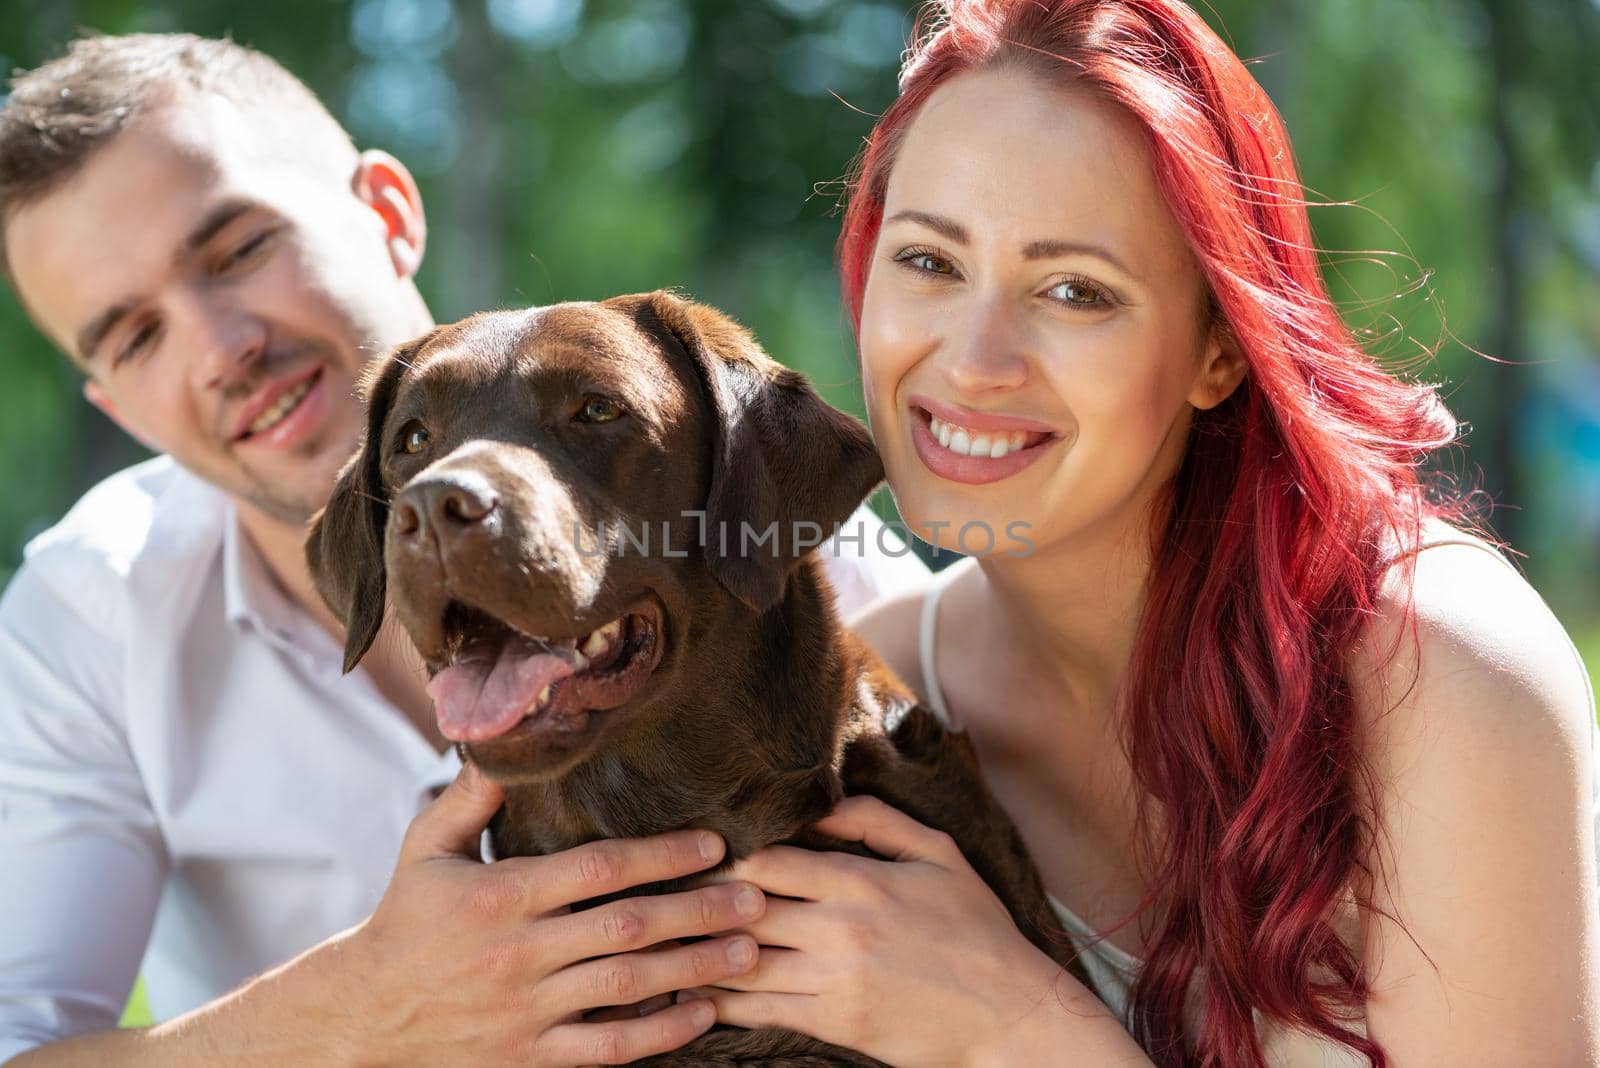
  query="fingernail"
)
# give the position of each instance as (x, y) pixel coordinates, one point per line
(710, 847)
(703, 1013)
(741, 952)
(747, 902)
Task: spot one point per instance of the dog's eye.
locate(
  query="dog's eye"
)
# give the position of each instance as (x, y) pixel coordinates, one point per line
(415, 438)
(599, 410)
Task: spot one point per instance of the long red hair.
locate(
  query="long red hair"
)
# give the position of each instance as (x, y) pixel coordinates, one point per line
(1237, 720)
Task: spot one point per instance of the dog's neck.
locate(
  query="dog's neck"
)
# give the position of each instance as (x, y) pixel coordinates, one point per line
(758, 773)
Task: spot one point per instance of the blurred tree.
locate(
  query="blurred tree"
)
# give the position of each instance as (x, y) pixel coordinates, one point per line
(570, 149)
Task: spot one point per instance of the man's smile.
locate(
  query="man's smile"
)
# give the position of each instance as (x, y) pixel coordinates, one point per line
(282, 413)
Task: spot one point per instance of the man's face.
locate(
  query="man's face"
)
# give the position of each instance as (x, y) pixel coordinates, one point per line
(223, 295)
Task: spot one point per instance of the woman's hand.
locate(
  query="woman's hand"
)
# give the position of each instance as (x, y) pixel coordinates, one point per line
(912, 960)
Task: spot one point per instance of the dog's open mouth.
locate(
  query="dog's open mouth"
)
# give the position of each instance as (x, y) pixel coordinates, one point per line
(499, 678)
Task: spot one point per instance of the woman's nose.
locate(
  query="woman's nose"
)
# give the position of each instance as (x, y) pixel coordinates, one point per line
(984, 349)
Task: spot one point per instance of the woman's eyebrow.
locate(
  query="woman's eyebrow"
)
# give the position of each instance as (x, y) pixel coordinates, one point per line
(1049, 249)
(1043, 249)
(947, 227)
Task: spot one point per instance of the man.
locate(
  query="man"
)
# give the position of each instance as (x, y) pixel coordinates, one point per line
(184, 775)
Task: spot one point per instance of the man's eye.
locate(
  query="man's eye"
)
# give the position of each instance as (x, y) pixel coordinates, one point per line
(598, 410)
(243, 252)
(414, 439)
(136, 344)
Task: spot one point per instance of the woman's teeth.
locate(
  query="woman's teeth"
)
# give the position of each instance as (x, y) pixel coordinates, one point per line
(282, 407)
(992, 444)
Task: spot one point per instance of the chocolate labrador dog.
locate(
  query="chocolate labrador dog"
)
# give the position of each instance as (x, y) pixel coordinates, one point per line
(596, 522)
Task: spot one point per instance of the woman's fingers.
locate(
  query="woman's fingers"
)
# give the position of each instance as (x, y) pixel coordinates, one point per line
(779, 971)
(792, 1012)
(887, 831)
(790, 871)
(792, 925)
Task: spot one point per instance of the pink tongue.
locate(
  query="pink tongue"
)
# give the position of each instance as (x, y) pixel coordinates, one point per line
(483, 696)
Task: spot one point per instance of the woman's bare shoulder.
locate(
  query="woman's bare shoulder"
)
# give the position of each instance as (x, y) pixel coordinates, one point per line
(1476, 727)
(1460, 634)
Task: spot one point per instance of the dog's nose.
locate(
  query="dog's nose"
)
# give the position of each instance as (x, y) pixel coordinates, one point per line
(448, 503)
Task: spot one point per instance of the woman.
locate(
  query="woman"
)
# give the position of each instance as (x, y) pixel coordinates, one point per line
(1303, 792)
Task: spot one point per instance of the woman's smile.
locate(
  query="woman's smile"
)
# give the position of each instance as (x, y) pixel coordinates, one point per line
(974, 447)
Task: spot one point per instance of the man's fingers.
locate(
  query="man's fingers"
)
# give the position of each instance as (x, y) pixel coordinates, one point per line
(601, 868)
(630, 1012)
(636, 922)
(886, 831)
(453, 824)
(633, 977)
(621, 1041)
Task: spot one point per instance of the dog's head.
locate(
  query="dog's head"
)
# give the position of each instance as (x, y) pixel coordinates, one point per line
(550, 498)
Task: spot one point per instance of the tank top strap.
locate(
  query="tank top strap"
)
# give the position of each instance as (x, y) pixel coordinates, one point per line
(927, 630)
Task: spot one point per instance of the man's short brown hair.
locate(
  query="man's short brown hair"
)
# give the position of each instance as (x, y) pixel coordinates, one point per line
(60, 113)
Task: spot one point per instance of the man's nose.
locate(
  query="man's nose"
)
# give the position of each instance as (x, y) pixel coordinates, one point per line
(447, 507)
(224, 339)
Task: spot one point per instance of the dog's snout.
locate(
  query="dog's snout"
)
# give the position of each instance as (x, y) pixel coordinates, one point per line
(448, 504)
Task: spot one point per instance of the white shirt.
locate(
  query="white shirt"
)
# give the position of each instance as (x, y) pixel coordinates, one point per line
(188, 785)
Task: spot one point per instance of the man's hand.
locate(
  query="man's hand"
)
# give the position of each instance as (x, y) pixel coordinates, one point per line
(467, 962)
(472, 963)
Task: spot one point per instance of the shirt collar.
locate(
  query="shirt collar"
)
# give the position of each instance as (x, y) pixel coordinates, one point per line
(250, 595)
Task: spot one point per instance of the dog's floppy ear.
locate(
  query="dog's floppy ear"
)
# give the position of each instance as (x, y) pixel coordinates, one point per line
(345, 546)
(783, 461)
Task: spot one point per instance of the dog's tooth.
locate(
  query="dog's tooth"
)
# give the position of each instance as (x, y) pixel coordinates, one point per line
(544, 695)
(611, 631)
(596, 643)
(580, 662)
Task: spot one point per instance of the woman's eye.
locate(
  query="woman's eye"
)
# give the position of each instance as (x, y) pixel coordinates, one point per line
(599, 410)
(1078, 293)
(923, 260)
(415, 439)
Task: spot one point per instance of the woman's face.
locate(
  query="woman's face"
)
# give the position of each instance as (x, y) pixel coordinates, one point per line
(1033, 336)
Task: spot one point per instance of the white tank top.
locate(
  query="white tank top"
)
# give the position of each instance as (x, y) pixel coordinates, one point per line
(1112, 970)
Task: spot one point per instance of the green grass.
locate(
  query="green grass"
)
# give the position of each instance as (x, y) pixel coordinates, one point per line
(1588, 641)
(137, 1012)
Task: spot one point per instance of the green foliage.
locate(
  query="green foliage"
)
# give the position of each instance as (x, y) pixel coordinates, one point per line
(572, 149)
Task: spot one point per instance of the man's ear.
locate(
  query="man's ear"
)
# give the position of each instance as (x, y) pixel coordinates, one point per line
(108, 407)
(385, 184)
(344, 548)
(1222, 368)
(782, 458)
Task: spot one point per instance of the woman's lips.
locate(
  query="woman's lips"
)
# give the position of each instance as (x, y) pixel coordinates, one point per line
(975, 470)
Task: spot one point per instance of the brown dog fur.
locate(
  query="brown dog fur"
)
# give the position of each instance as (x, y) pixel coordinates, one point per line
(762, 712)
